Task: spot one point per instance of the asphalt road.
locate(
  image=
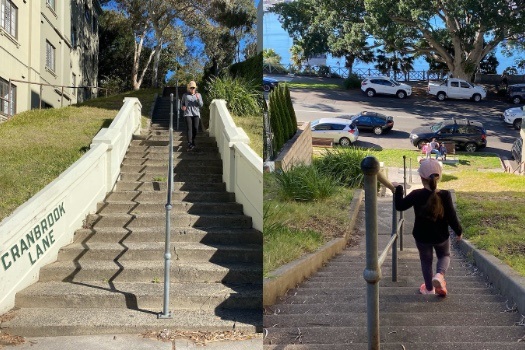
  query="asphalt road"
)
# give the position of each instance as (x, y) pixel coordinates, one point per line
(408, 114)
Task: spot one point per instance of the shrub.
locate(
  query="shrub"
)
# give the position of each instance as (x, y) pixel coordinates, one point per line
(242, 96)
(250, 69)
(304, 183)
(352, 82)
(342, 165)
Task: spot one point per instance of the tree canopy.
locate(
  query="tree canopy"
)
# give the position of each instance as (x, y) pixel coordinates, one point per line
(326, 26)
(472, 28)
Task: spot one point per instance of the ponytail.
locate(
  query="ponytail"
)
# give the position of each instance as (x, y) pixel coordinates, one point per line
(433, 208)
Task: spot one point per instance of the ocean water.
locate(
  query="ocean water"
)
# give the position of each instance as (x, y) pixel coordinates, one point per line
(275, 37)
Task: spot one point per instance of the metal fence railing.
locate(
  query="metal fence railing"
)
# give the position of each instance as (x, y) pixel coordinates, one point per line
(372, 273)
(65, 91)
(344, 72)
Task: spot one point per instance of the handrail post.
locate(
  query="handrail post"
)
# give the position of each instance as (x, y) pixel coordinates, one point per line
(167, 254)
(394, 246)
(372, 273)
(402, 214)
(177, 102)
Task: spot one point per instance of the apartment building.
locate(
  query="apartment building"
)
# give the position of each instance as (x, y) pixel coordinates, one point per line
(47, 49)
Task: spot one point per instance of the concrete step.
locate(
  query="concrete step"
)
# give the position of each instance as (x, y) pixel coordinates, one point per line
(398, 346)
(176, 196)
(399, 319)
(183, 296)
(396, 334)
(177, 163)
(43, 322)
(142, 158)
(180, 140)
(132, 221)
(179, 145)
(331, 291)
(129, 207)
(180, 135)
(402, 282)
(154, 234)
(356, 278)
(162, 186)
(154, 251)
(139, 146)
(403, 270)
(196, 166)
(177, 177)
(146, 271)
(398, 298)
(420, 303)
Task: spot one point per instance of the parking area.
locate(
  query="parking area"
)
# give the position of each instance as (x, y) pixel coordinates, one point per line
(409, 113)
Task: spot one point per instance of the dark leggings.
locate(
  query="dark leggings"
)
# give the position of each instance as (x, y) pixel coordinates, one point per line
(193, 127)
(426, 255)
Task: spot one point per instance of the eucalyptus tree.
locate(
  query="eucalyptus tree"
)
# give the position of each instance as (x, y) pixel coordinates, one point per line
(473, 28)
(228, 24)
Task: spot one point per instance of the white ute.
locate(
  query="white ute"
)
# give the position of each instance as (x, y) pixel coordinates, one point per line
(456, 88)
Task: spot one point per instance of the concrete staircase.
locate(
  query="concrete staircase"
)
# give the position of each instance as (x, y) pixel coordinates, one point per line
(110, 280)
(328, 311)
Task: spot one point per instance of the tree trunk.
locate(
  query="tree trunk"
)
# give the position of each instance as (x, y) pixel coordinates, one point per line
(155, 69)
(349, 63)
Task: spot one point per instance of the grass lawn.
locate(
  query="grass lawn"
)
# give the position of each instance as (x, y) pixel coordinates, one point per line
(36, 146)
(253, 127)
(292, 229)
(315, 85)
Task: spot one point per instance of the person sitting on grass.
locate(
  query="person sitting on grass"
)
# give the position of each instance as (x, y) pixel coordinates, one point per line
(434, 148)
(425, 149)
(443, 151)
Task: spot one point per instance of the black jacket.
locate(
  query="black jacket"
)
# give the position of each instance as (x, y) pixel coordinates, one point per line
(425, 230)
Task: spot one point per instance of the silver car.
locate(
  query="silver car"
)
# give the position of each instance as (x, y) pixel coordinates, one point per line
(341, 131)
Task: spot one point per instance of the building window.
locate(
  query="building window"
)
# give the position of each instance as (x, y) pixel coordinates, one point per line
(5, 97)
(87, 14)
(8, 17)
(74, 82)
(74, 37)
(51, 4)
(50, 56)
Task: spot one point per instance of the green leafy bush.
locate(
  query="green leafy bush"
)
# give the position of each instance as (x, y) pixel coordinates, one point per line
(352, 82)
(243, 96)
(342, 165)
(305, 183)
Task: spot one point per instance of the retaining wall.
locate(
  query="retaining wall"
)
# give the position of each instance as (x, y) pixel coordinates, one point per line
(298, 150)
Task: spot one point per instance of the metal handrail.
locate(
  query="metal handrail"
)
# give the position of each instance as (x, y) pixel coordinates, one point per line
(62, 93)
(372, 273)
(167, 251)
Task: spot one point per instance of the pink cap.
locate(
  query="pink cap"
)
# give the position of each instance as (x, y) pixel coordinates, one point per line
(428, 167)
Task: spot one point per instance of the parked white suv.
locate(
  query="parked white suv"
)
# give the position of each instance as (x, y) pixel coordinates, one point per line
(341, 131)
(384, 85)
(513, 116)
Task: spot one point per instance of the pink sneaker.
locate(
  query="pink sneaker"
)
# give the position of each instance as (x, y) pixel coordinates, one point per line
(423, 290)
(440, 285)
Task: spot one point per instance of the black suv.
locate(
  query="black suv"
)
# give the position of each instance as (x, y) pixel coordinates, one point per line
(466, 134)
(516, 93)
